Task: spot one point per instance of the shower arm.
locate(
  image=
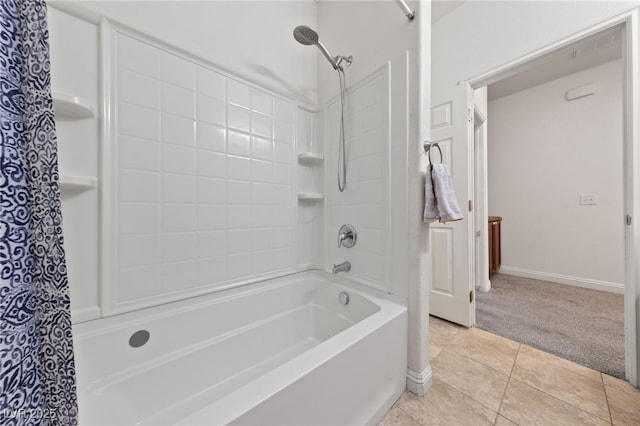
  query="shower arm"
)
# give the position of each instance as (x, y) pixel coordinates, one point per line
(333, 61)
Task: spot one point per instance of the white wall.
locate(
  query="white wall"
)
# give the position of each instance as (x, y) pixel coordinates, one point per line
(372, 31)
(543, 153)
(252, 39)
(482, 35)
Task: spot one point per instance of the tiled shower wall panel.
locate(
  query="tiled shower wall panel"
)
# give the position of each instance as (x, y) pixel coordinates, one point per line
(204, 175)
(364, 202)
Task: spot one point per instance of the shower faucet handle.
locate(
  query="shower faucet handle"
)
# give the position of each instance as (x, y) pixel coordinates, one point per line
(347, 236)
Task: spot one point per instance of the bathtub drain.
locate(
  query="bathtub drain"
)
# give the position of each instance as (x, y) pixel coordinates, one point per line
(139, 338)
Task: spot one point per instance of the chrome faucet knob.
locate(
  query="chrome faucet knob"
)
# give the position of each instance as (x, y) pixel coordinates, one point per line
(342, 237)
(347, 236)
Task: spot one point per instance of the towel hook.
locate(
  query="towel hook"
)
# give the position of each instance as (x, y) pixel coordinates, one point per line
(427, 148)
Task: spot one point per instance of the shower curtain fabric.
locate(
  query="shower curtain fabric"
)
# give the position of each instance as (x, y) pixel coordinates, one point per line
(37, 372)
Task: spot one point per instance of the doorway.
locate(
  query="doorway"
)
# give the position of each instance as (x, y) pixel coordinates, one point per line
(480, 189)
(555, 179)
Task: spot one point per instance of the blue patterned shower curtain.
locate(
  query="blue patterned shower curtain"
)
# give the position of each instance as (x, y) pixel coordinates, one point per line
(37, 372)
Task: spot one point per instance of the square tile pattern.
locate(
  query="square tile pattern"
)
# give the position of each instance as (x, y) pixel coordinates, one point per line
(364, 202)
(205, 182)
(483, 379)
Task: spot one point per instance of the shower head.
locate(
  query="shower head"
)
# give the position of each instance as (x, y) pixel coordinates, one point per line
(307, 36)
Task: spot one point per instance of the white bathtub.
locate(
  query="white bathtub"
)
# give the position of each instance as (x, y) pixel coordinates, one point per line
(280, 352)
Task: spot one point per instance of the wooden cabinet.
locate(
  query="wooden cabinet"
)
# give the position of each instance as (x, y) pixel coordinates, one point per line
(494, 244)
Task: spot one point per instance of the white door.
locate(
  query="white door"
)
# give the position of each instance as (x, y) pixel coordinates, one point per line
(451, 244)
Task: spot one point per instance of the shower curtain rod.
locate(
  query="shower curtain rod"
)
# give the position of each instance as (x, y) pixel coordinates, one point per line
(410, 14)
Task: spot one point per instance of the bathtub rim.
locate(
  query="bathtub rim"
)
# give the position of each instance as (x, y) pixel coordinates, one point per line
(141, 316)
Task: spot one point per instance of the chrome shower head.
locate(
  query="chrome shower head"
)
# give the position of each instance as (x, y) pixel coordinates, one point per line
(307, 36)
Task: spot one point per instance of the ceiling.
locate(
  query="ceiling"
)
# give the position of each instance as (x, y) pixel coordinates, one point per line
(587, 53)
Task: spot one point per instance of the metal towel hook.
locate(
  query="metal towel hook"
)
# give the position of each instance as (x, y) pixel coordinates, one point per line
(427, 148)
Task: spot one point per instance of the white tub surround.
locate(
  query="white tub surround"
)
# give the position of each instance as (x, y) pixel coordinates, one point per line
(199, 188)
(250, 355)
(212, 197)
(76, 100)
(212, 182)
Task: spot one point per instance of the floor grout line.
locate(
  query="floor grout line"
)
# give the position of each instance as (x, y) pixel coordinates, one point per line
(606, 397)
(504, 394)
(561, 399)
(469, 396)
(410, 416)
(520, 345)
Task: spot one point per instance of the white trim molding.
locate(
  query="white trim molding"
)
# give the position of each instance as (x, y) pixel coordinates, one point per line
(85, 314)
(607, 286)
(419, 383)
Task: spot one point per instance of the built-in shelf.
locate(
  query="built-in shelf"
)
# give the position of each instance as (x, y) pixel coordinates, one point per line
(69, 106)
(77, 183)
(310, 196)
(310, 158)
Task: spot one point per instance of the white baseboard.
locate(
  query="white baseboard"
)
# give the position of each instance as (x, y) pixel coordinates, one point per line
(419, 383)
(484, 286)
(564, 279)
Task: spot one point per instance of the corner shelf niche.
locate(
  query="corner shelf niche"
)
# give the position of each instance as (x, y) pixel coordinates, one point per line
(310, 158)
(77, 183)
(72, 107)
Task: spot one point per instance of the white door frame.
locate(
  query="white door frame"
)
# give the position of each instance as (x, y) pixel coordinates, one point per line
(481, 206)
(630, 23)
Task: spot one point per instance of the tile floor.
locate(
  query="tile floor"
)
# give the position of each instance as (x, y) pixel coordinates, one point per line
(483, 379)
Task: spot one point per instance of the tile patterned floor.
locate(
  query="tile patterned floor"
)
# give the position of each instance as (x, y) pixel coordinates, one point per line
(483, 379)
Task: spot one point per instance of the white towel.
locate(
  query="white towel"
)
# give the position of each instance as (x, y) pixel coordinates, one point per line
(440, 197)
(430, 203)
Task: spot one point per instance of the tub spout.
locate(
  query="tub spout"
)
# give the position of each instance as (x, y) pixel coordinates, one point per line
(341, 267)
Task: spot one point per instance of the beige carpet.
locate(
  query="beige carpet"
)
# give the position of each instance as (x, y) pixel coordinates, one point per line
(581, 325)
